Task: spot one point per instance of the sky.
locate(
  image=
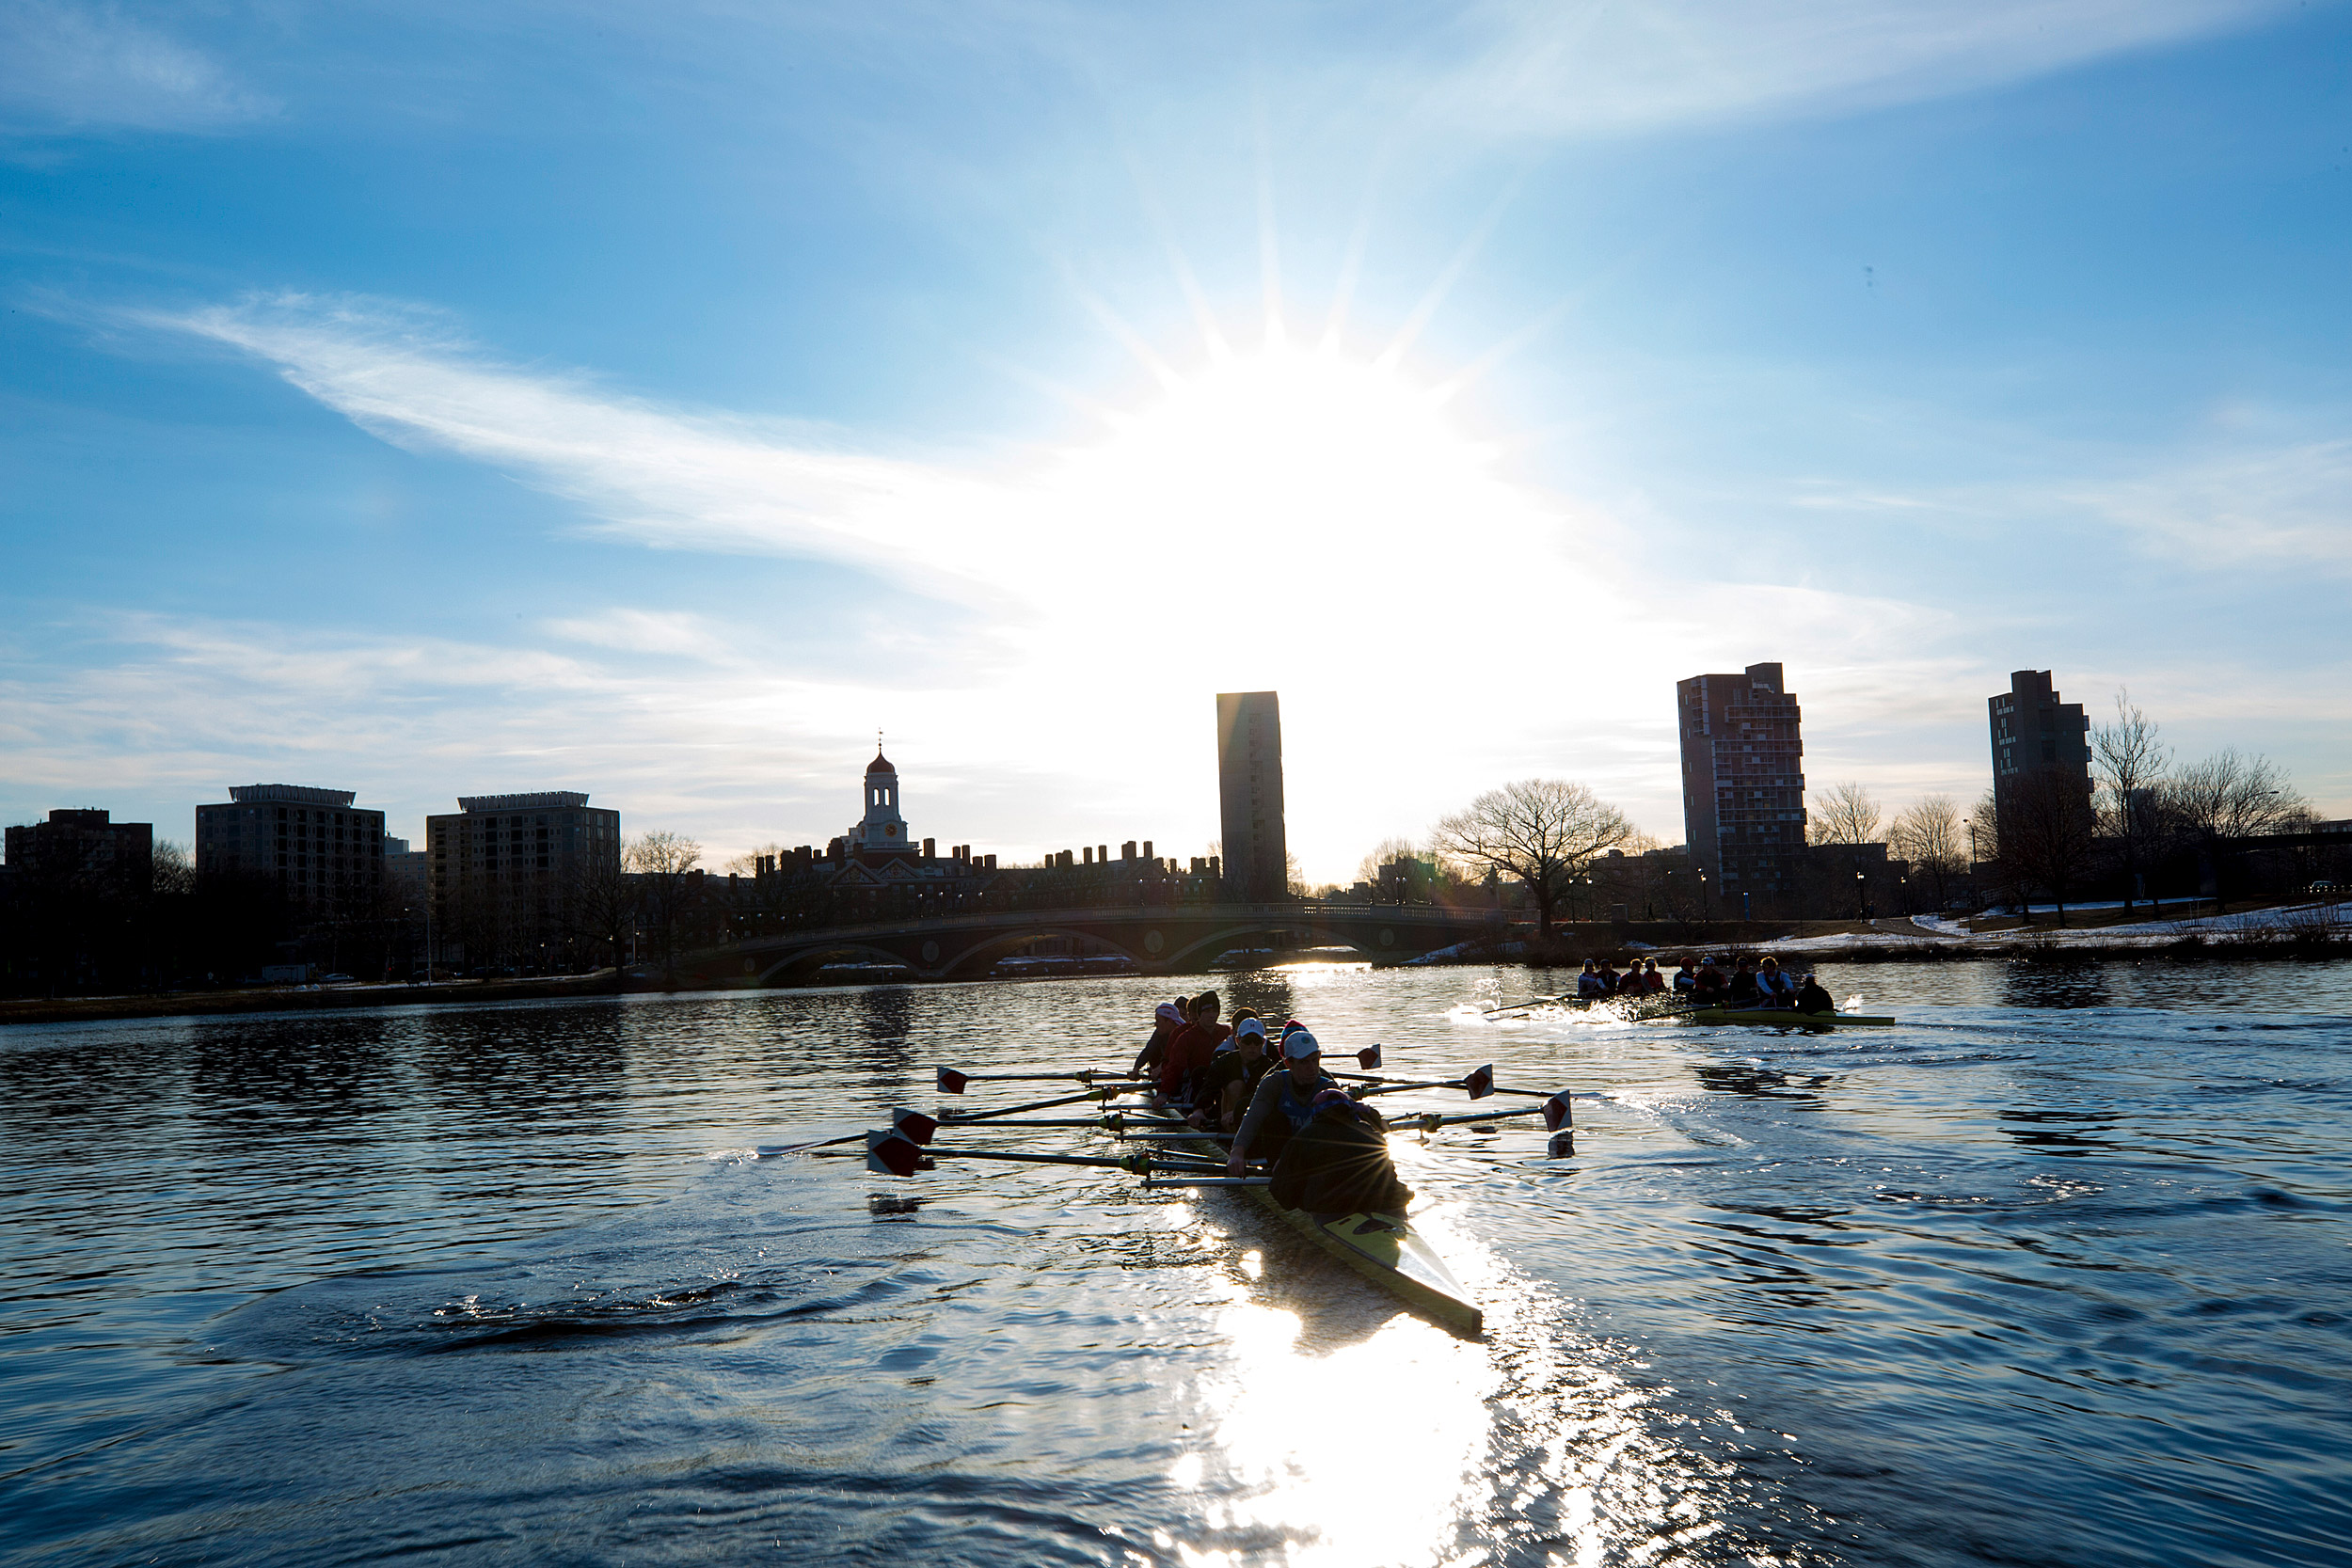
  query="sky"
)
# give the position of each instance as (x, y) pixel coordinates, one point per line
(662, 401)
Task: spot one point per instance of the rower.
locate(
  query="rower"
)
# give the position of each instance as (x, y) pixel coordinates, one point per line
(1232, 1076)
(1283, 1102)
(1773, 988)
(1337, 1162)
(1686, 980)
(1192, 1049)
(1167, 1022)
(1652, 982)
(1712, 984)
(1743, 990)
(1811, 998)
(1590, 987)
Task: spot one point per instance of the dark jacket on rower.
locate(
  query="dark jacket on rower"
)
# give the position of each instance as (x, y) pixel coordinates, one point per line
(1338, 1163)
(1743, 991)
(1278, 1108)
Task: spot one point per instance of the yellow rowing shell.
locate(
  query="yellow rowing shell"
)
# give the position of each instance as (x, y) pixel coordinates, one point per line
(1385, 1249)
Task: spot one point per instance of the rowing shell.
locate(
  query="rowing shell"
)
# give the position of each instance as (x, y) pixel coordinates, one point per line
(1785, 1017)
(1384, 1248)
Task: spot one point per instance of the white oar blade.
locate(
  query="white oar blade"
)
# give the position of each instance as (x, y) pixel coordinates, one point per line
(914, 1125)
(1369, 1057)
(1558, 1112)
(1480, 1081)
(951, 1081)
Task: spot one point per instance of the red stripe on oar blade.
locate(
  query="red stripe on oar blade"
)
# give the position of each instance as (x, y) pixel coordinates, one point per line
(892, 1155)
(1558, 1112)
(951, 1081)
(1480, 1082)
(1369, 1058)
(915, 1125)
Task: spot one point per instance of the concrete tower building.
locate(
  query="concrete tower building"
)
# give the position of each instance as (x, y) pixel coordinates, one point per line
(2035, 734)
(317, 846)
(1249, 794)
(1743, 786)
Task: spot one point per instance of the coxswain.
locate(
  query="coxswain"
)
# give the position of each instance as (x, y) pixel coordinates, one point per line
(1167, 1022)
(1686, 980)
(1192, 1049)
(1811, 998)
(1283, 1102)
(1590, 987)
(1232, 1076)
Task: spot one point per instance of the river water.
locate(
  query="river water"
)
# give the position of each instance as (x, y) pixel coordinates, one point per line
(2057, 1271)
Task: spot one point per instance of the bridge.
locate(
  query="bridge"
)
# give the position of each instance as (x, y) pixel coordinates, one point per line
(1159, 938)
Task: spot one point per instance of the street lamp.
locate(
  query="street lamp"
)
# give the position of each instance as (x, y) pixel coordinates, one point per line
(1860, 908)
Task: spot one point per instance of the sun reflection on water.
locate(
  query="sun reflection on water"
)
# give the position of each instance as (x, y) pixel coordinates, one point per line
(1336, 1430)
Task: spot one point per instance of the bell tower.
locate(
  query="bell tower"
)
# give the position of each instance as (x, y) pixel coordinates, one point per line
(882, 828)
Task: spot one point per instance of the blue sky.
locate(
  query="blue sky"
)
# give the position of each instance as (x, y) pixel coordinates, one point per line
(657, 401)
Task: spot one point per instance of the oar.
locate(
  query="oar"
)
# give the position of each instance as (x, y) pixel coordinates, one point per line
(1152, 1183)
(1557, 1113)
(952, 1081)
(1478, 1082)
(1520, 1006)
(894, 1153)
(1097, 1095)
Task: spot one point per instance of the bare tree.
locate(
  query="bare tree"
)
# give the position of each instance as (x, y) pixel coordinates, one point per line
(1542, 831)
(1386, 852)
(661, 861)
(2129, 759)
(1928, 834)
(1843, 813)
(2047, 827)
(600, 903)
(2231, 797)
(1984, 851)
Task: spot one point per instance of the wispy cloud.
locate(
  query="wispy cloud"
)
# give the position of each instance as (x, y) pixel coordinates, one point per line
(2283, 505)
(1302, 524)
(75, 66)
(1532, 67)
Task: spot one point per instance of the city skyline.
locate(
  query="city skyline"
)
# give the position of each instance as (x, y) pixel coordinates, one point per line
(602, 418)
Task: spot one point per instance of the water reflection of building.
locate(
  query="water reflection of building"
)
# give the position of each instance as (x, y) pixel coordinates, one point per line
(1743, 786)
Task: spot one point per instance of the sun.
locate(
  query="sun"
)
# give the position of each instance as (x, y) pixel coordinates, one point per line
(1307, 469)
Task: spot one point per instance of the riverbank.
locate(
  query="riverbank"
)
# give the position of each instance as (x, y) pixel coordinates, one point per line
(282, 999)
(2287, 932)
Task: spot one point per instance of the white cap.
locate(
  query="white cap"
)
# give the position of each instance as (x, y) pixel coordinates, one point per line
(1300, 1045)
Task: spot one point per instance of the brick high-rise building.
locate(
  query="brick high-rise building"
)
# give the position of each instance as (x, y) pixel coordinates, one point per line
(312, 841)
(1743, 786)
(87, 846)
(1249, 796)
(2035, 734)
(511, 874)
